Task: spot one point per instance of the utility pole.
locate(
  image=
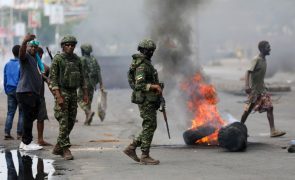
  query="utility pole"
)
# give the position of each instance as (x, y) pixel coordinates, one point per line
(11, 35)
(2, 15)
(57, 34)
(57, 28)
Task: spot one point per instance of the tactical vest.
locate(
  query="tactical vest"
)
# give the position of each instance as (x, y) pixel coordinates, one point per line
(93, 70)
(69, 75)
(138, 97)
(136, 61)
(151, 78)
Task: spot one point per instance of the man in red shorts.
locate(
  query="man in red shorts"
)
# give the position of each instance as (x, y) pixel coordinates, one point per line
(258, 98)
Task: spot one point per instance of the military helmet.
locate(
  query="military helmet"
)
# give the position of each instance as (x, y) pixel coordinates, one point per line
(87, 48)
(147, 44)
(68, 39)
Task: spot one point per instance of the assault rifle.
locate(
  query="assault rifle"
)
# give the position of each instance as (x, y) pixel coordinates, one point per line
(49, 53)
(163, 109)
(47, 79)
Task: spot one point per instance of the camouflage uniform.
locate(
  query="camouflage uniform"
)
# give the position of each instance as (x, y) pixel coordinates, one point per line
(93, 76)
(143, 79)
(141, 76)
(145, 75)
(66, 75)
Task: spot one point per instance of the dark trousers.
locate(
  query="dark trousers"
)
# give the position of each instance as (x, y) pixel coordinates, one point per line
(11, 172)
(30, 104)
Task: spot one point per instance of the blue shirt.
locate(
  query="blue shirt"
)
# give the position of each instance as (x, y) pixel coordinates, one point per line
(11, 75)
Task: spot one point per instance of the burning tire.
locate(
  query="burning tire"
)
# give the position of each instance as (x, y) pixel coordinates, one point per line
(233, 137)
(192, 135)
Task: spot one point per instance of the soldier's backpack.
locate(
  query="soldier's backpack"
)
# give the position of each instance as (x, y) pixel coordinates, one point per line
(136, 61)
(93, 69)
(137, 97)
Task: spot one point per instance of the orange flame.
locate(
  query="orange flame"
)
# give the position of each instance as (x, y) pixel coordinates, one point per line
(202, 103)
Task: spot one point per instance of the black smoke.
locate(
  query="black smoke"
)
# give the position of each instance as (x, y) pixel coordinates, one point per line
(170, 25)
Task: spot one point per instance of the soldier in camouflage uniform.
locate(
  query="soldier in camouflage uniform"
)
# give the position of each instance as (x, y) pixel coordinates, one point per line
(93, 76)
(66, 76)
(143, 79)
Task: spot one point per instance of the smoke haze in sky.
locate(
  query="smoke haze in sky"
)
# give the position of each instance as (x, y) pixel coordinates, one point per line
(215, 28)
(113, 27)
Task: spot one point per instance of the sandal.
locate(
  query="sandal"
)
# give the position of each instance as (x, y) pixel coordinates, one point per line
(277, 133)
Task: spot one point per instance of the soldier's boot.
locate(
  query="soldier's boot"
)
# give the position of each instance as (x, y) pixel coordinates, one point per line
(131, 152)
(147, 160)
(67, 154)
(57, 150)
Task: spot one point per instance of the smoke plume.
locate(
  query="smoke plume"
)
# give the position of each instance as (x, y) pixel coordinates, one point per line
(170, 26)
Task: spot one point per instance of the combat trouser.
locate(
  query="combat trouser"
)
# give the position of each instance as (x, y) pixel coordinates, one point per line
(148, 112)
(66, 116)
